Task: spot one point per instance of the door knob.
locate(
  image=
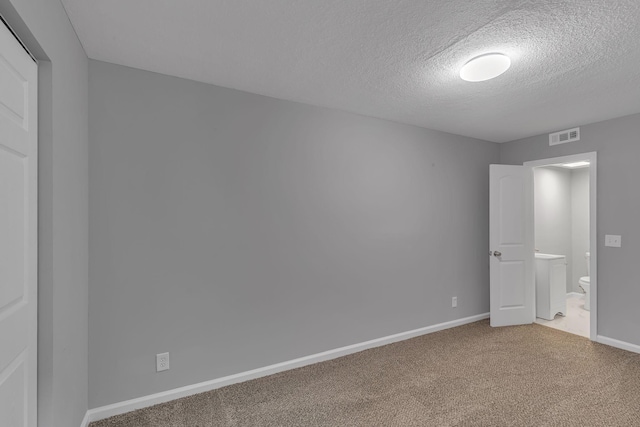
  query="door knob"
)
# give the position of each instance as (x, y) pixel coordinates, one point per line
(497, 253)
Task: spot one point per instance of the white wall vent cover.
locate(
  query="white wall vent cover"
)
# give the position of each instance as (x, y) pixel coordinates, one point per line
(564, 136)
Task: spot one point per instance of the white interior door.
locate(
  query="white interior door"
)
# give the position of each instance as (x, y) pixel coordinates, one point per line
(511, 245)
(18, 238)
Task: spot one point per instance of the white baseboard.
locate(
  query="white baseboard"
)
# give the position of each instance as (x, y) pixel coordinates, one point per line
(85, 420)
(176, 393)
(618, 344)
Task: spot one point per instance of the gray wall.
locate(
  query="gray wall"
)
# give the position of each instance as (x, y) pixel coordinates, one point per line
(553, 214)
(236, 231)
(616, 142)
(579, 223)
(63, 211)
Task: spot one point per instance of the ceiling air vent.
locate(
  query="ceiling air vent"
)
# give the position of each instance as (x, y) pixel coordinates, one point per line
(564, 136)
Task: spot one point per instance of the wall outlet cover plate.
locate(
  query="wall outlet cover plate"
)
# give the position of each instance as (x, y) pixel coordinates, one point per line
(162, 362)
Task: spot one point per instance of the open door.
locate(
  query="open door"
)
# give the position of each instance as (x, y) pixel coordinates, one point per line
(18, 233)
(511, 245)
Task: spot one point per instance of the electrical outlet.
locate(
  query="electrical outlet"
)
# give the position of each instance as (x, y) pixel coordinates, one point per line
(162, 362)
(454, 302)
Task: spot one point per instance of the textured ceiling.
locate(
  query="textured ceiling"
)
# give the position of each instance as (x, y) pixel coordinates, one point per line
(573, 61)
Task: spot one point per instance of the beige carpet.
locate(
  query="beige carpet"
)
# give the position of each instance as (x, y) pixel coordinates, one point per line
(467, 376)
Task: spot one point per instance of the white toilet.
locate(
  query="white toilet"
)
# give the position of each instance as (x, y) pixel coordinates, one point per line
(585, 284)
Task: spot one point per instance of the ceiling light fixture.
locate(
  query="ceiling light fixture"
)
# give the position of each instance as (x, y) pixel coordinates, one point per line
(576, 164)
(485, 67)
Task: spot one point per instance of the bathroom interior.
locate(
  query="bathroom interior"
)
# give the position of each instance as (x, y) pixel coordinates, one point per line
(561, 206)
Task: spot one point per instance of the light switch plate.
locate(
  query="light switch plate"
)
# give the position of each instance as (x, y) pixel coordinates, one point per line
(612, 240)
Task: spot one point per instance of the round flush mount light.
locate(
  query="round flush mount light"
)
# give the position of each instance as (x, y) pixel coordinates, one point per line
(485, 67)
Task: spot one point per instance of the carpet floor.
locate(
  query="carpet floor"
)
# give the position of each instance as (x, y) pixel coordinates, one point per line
(472, 375)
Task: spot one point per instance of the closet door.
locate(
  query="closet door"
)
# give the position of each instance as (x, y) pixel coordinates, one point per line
(18, 233)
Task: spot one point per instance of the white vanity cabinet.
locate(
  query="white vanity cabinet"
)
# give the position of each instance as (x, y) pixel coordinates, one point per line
(551, 285)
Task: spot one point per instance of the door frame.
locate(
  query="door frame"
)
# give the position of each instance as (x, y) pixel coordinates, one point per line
(592, 157)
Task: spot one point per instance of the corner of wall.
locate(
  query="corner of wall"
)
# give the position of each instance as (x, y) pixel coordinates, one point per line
(44, 27)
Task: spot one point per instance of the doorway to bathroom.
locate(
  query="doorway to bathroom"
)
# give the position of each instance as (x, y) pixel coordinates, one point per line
(564, 230)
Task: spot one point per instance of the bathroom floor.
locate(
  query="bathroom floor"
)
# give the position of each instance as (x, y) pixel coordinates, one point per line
(575, 322)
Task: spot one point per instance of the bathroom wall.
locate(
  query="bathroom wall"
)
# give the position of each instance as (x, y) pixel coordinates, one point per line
(562, 217)
(579, 223)
(553, 214)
